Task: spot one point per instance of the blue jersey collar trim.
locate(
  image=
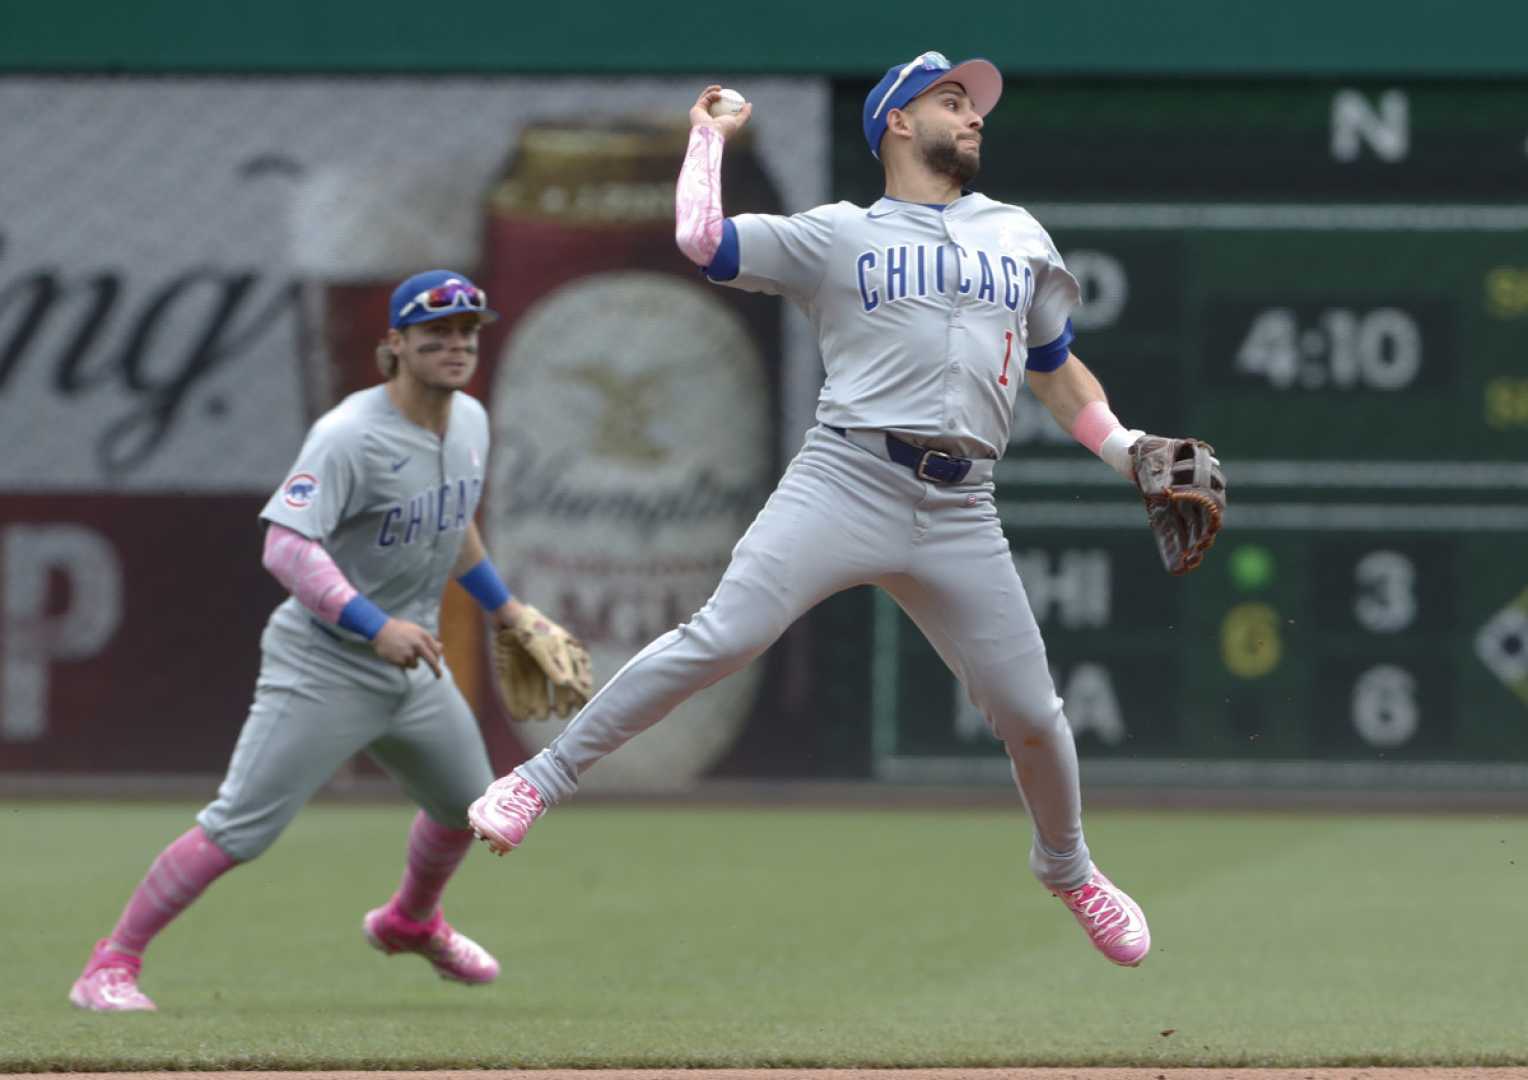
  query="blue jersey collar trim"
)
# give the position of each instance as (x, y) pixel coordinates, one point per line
(907, 202)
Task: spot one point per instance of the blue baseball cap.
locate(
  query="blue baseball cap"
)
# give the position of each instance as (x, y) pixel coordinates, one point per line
(435, 294)
(903, 82)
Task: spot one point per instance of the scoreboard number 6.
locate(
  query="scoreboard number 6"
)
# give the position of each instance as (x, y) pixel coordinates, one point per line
(1385, 711)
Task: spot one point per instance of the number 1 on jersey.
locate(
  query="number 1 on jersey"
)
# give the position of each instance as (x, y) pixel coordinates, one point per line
(1002, 380)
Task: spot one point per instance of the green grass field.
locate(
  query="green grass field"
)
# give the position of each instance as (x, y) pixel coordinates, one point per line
(635, 936)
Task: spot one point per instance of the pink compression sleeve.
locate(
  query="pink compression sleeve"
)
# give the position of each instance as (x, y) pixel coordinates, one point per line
(307, 571)
(698, 197)
(1094, 424)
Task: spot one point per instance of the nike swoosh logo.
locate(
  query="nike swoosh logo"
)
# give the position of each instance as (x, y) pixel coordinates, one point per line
(886, 213)
(1133, 923)
(400, 463)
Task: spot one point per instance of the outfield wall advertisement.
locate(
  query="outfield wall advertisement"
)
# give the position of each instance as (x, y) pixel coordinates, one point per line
(192, 270)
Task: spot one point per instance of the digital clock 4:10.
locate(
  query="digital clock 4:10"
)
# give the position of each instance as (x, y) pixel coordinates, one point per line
(1341, 348)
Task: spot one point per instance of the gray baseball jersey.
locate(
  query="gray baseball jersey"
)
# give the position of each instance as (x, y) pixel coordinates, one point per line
(924, 317)
(390, 502)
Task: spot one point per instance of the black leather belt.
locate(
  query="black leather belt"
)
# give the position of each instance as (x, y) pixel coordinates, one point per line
(935, 466)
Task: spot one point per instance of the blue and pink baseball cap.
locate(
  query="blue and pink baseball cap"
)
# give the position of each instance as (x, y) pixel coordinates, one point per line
(434, 294)
(982, 81)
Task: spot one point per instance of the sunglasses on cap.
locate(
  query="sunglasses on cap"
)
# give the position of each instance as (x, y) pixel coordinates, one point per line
(929, 61)
(452, 296)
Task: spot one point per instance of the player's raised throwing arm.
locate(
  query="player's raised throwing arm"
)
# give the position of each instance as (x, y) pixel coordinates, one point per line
(698, 219)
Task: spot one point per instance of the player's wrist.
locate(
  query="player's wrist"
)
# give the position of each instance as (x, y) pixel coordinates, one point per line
(1097, 428)
(484, 585)
(511, 613)
(361, 616)
(1115, 450)
(721, 127)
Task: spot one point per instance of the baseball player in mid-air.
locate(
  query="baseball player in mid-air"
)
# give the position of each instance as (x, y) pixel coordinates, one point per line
(932, 306)
(375, 516)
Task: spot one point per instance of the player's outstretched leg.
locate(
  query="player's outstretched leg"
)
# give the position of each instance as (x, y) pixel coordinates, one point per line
(177, 877)
(655, 681)
(968, 600)
(412, 922)
(792, 556)
(1113, 921)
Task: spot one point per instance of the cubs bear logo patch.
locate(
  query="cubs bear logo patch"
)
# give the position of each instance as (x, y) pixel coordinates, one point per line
(299, 490)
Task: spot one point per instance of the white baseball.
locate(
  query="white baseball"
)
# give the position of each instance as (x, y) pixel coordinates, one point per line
(729, 102)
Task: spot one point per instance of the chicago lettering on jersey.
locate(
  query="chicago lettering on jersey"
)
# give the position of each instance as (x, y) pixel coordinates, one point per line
(435, 510)
(903, 271)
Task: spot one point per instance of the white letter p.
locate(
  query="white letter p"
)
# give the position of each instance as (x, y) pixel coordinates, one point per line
(31, 638)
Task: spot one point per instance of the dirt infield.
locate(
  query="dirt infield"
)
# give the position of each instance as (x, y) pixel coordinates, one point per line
(1142, 1073)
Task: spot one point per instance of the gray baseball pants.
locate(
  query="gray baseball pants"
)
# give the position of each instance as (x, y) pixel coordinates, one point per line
(320, 700)
(843, 515)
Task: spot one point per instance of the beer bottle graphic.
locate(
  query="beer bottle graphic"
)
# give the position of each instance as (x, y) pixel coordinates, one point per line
(635, 412)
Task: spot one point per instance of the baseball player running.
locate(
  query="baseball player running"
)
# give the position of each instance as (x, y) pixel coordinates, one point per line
(376, 514)
(931, 306)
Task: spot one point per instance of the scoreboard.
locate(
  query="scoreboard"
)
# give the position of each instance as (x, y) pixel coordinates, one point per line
(1329, 282)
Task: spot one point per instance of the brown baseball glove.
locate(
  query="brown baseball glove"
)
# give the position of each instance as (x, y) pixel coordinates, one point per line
(1185, 494)
(541, 668)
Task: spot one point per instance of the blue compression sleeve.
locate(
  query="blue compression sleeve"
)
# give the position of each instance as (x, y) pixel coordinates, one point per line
(724, 266)
(1051, 356)
(363, 617)
(485, 585)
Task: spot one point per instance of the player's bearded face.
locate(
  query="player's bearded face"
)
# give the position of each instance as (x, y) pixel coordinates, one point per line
(953, 151)
(442, 353)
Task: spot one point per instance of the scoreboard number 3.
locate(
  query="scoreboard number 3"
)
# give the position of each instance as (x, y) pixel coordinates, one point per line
(1387, 596)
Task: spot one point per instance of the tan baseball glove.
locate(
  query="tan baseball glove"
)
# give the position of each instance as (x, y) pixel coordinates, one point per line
(541, 668)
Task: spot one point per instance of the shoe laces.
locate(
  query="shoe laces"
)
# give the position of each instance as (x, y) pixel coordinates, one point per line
(118, 984)
(118, 978)
(520, 800)
(1097, 905)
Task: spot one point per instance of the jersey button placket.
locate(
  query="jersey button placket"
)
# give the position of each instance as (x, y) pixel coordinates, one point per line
(952, 374)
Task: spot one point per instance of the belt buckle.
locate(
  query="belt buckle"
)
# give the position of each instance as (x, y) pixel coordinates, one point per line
(923, 461)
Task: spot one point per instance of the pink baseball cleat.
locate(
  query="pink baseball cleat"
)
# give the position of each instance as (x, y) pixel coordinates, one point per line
(454, 956)
(109, 983)
(505, 812)
(1114, 922)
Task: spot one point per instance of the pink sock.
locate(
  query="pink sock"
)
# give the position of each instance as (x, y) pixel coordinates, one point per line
(178, 876)
(434, 854)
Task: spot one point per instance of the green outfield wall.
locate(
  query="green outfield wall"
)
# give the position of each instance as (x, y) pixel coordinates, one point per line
(1478, 39)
